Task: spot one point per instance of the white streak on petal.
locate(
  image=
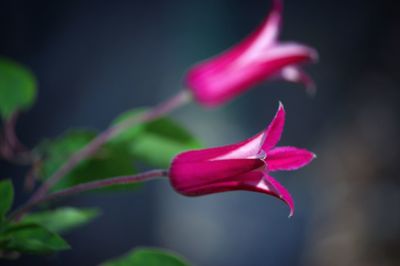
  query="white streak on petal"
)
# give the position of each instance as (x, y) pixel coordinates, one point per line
(296, 75)
(283, 50)
(266, 38)
(250, 150)
(263, 185)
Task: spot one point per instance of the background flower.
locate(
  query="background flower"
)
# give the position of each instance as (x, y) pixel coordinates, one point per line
(257, 58)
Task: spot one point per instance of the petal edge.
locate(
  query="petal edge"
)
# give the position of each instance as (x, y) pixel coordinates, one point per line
(275, 128)
(288, 158)
(280, 192)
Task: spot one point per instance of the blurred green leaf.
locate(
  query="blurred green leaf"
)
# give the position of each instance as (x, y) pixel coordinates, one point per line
(109, 161)
(62, 219)
(17, 87)
(161, 140)
(55, 152)
(148, 257)
(6, 197)
(155, 142)
(130, 133)
(31, 238)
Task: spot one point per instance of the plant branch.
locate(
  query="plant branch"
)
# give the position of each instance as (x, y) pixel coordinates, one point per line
(145, 176)
(180, 99)
(11, 149)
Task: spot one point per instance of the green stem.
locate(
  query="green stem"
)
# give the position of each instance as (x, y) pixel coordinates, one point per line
(145, 176)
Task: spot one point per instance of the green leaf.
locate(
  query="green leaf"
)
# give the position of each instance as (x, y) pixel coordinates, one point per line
(148, 257)
(6, 197)
(155, 142)
(109, 161)
(31, 238)
(62, 219)
(55, 152)
(132, 132)
(17, 87)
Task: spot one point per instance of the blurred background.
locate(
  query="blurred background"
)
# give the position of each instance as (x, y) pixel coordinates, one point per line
(94, 60)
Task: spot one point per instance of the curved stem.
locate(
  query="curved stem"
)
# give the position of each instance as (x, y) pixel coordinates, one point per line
(9, 132)
(145, 176)
(180, 99)
(11, 149)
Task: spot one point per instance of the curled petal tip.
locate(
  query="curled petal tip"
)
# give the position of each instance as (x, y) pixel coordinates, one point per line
(281, 110)
(290, 204)
(275, 128)
(281, 106)
(297, 75)
(314, 155)
(291, 207)
(280, 192)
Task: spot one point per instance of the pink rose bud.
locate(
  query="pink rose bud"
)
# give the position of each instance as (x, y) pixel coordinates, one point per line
(257, 58)
(243, 166)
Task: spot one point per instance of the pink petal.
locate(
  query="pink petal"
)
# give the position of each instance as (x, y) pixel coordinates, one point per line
(269, 30)
(279, 191)
(247, 72)
(288, 158)
(292, 52)
(256, 181)
(296, 75)
(275, 129)
(189, 175)
(249, 148)
(265, 36)
(245, 181)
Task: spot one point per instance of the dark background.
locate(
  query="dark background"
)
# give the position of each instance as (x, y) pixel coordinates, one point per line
(96, 59)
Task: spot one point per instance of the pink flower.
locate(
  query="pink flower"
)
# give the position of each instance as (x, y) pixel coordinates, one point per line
(243, 166)
(257, 58)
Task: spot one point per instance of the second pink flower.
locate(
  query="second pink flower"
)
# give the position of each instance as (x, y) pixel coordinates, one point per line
(257, 58)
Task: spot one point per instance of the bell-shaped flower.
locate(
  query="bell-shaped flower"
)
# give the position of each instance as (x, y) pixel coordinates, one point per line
(243, 166)
(257, 58)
